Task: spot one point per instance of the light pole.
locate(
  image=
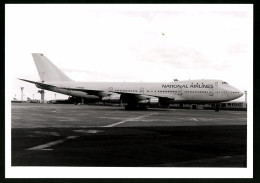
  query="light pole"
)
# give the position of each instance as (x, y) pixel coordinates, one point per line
(22, 93)
(245, 98)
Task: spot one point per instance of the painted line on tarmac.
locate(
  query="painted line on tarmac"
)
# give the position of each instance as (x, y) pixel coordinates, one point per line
(50, 144)
(47, 133)
(129, 119)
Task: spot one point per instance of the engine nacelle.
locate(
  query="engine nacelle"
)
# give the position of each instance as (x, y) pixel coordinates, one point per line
(145, 101)
(150, 101)
(154, 101)
(113, 98)
(165, 102)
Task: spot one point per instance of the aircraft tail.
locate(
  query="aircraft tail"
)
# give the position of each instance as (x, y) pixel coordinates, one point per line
(47, 70)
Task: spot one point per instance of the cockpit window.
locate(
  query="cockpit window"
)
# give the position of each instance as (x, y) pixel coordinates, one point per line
(224, 83)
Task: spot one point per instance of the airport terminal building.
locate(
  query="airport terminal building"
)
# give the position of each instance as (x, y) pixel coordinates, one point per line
(232, 105)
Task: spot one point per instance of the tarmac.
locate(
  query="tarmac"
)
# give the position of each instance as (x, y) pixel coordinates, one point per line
(109, 136)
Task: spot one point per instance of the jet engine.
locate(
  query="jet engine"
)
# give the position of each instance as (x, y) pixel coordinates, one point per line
(113, 98)
(151, 101)
(154, 101)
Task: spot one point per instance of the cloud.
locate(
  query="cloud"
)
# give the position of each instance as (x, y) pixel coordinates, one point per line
(177, 57)
(126, 43)
(235, 14)
(239, 48)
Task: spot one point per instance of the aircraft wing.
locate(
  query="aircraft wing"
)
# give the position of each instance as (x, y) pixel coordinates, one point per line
(48, 86)
(88, 91)
(139, 97)
(131, 96)
(37, 83)
(126, 95)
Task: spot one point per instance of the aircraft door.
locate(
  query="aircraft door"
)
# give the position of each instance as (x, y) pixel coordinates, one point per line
(179, 91)
(141, 90)
(211, 92)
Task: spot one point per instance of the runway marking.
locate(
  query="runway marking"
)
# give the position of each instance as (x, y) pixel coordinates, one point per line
(129, 119)
(47, 133)
(194, 119)
(44, 146)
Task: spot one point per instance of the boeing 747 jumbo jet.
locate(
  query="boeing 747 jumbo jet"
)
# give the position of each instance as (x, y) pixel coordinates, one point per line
(136, 95)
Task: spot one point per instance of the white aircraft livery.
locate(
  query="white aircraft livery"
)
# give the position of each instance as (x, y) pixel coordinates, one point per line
(136, 95)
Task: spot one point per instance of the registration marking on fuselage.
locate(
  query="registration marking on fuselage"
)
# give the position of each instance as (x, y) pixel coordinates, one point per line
(129, 119)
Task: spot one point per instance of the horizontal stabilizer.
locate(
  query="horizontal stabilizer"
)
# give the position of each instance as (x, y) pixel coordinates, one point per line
(37, 83)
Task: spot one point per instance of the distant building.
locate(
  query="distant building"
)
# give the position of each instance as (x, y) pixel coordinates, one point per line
(232, 105)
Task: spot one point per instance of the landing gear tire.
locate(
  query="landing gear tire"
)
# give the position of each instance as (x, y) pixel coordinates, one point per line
(129, 107)
(142, 107)
(217, 108)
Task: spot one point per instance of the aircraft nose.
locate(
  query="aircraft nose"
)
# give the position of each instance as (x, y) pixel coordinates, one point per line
(237, 93)
(240, 93)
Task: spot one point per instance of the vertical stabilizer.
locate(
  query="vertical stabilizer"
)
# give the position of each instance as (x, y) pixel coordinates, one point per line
(47, 70)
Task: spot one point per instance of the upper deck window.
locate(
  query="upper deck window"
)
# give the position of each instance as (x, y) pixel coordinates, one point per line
(224, 83)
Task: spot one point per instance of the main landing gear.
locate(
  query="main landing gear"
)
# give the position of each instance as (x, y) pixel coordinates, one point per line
(217, 107)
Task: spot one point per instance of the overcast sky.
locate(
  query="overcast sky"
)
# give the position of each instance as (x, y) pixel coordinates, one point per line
(130, 43)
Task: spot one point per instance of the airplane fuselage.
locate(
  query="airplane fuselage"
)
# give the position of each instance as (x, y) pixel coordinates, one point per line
(189, 91)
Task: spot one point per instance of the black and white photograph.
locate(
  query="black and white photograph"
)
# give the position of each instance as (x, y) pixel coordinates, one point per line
(129, 91)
